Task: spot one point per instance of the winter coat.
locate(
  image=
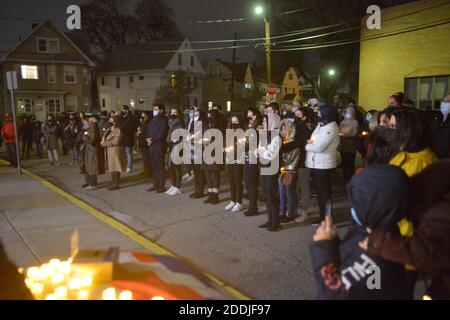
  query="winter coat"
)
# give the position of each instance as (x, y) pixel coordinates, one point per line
(322, 153)
(441, 138)
(142, 143)
(271, 153)
(215, 121)
(128, 128)
(174, 124)
(103, 124)
(51, 136)
(428, 249)
(414, 163)
(26, 132)
(379, 196)
(289, 159)
(349, 129)
(157, 130)
(8, 135)
(71, 135)
(37, 132)
(112, 141)
(93, 155)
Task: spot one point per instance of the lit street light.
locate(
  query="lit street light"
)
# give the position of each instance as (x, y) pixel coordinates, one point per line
(259, 10)
(331, 72)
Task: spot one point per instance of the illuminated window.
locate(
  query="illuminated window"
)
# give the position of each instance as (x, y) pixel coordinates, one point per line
(48, 45)
(51, 74)
(70, 74)
(291, 77)
(29, 72)
(427, 91)
(173, 80)
(25, 105)
(132, 103)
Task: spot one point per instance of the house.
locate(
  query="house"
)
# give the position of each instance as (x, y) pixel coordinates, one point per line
(288, 86)
(410, 53)
(217, 83)
(134, 73)
(53, 74)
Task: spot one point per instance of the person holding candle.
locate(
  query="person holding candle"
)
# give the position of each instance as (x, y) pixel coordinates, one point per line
(235, 167)
(93, 156)
(349, 129)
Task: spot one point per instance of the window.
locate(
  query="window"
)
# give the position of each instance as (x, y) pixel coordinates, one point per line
(72, 103)
(141, 77)
(142, 100)
(192, 61)
(285, 90)
(117, 82)
(85, 76)
(51, 74)
(132, 103)
(103, 103)
(180, 59)
(25, 105)
(173, 80)
(29, 72)
(131, 81)
(54, 105)
(70, 74)
(290, 76)
(229, 88)
(248, 86)
(103, 81)
(427, 91)
(48, 45)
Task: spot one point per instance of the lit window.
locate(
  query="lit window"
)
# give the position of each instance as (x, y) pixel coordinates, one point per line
(173, 80)
(48, 45)
(51, 71)
(427, 91)
(25, 105)
(132, 103)
(291, 77)
(29, 72)
(70, 74)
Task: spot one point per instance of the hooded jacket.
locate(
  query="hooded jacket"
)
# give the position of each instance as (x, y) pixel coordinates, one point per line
(379, 196)
(322, 153)
(8, 134)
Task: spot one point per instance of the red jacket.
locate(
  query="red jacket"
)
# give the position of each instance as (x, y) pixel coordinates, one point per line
(8, 133)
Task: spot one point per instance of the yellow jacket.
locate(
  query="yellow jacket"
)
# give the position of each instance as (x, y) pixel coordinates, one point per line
(412, 164)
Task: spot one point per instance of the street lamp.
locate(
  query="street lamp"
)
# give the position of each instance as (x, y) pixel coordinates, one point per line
(331, 73)
(259, 10)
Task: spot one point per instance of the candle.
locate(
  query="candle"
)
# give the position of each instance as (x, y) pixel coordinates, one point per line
(29, 283)
(20, 270)
(65, 268)
(51, 296)
(109, 294)
(46, 270)
(75, 284)
(33, 273)
(57, 278)
(61, 292)
(126, 295)
(37, 288)
(54, 262)
(86, 281)
(158, 298)
(83, 295)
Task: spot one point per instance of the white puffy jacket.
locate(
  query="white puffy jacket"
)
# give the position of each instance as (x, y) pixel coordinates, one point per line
(322, 153)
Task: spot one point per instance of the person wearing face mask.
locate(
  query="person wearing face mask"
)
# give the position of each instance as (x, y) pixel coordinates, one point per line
(175, 123)
(93, 161)
(51, 130)
(235, 167)
(252, 121)
(142, 143)
(441, 131)
(112, 141)
(195, 139)
(321, 154)
(348, 130)
(128, 129)
(188, 118)
(70, 137)
(378, 196)
(212, 171)
(156, 135)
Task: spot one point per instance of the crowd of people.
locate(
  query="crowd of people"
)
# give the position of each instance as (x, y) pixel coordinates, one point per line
(400, 198)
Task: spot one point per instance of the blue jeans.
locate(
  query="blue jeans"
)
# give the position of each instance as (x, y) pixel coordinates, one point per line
(75, 154)
(38, 150)
(289, 192)
(129, 154)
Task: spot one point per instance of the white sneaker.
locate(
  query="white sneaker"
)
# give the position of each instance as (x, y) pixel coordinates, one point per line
(237, 207)
(230, 206)
(175, 192)
(190, 178)
(170, 190)
(128, 170)
(185, 176)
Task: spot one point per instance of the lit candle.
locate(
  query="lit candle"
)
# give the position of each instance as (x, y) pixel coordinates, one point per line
(61, 292)
(83, 295)
(426, 297)
(54, 262)
(29, 283)
(126, 295)
(33, 272)
(65, 268)
(365, 133)
(51, 296)
(20, 270)
(75, 284)
(37, 288)
(57, 278)
(86, 281)
(109, 294)
(158, 298)
(46, 270)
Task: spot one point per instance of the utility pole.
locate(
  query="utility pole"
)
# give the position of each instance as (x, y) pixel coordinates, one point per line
(233, 61)
(268, 54)
(11, 79)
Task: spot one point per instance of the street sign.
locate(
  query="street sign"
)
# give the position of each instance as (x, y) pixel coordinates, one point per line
(11, 80)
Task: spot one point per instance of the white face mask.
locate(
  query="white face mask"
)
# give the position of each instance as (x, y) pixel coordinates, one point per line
(155, 113)
(196, 118)
(445, 108)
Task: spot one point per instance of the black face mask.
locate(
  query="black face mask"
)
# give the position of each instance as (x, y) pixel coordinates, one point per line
(173, 116)
(235, 126)
(388, 134)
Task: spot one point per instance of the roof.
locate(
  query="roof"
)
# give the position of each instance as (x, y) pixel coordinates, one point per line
(239, 69)
(59, 56)
(141, 56)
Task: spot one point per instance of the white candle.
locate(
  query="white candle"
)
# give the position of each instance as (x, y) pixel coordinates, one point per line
(126, 295)
(109, 294)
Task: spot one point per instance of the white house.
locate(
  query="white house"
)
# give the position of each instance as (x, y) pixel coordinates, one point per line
(133, 73)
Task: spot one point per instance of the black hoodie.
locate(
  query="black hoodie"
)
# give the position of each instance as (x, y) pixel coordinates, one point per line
(379, 196)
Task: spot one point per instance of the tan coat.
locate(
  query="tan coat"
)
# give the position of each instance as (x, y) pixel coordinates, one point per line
(112, 141)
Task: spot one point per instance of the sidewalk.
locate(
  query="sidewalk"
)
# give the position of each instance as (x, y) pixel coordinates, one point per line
(36, 223)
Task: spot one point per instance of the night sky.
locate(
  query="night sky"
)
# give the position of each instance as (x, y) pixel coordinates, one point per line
(16, 16)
